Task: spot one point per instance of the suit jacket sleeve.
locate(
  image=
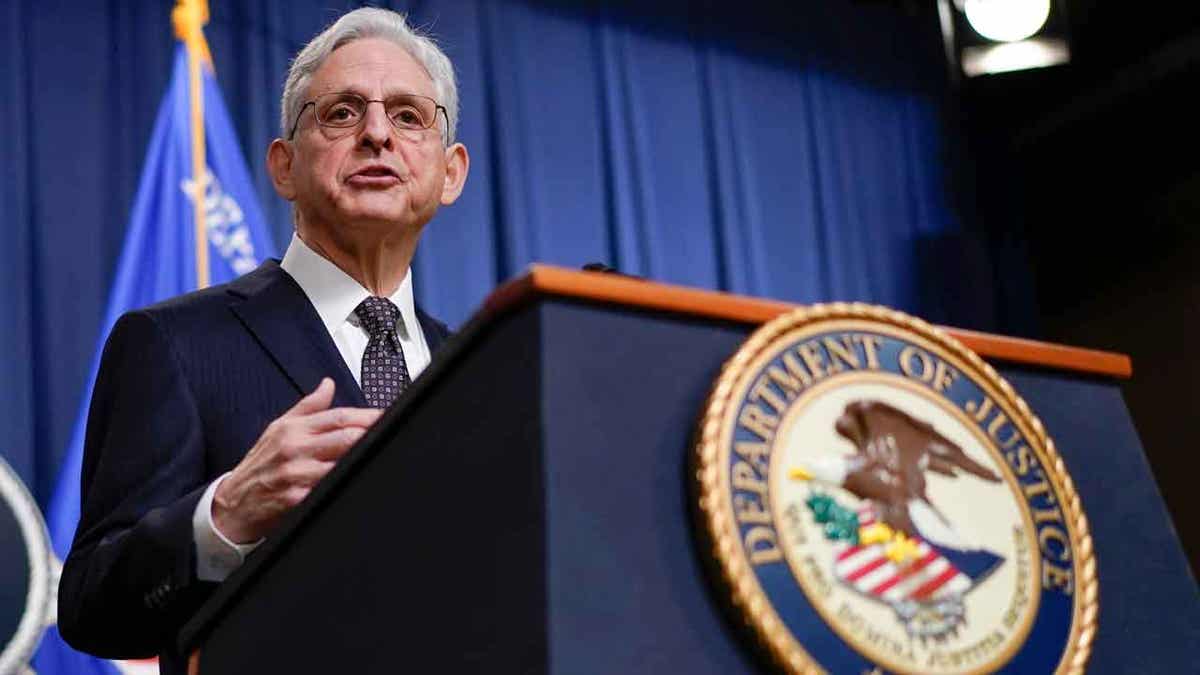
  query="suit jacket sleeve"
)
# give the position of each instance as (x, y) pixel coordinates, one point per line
(129, 582)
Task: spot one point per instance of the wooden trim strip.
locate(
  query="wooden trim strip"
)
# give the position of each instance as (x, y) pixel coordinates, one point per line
(624, 290)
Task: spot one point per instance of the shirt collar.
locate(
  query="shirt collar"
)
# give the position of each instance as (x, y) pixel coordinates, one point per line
(336, 294)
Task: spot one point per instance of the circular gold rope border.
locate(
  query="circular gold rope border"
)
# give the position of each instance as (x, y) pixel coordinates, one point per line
(748, 598)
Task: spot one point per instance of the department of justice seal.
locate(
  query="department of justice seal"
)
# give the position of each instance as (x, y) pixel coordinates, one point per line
(874, 498)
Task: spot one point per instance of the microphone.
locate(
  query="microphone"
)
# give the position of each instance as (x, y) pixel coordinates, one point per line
(605, 269)
(599, 267)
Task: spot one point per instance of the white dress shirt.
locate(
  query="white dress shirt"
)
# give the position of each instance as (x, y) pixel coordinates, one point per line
(335, 295)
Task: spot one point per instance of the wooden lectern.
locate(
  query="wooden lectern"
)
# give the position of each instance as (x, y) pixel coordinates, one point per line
(524, 509)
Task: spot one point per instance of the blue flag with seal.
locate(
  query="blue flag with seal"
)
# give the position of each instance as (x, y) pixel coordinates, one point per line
(177, 199)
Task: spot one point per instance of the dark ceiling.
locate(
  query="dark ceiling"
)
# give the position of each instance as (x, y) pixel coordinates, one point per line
(1104, 149)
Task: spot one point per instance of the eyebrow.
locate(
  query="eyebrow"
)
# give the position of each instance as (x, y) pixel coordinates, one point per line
(388, 93)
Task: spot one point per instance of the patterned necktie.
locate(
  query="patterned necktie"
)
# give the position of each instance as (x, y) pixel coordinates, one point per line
(384, 372)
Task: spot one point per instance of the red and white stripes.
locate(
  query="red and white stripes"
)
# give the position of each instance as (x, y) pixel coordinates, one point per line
(867, 568)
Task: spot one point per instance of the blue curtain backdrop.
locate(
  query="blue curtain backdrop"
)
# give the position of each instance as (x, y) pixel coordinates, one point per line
(792, 150)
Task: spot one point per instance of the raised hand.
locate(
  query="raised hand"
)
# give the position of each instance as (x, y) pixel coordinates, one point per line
(295, 451)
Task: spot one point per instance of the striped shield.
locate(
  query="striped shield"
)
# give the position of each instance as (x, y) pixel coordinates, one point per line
(934, 574)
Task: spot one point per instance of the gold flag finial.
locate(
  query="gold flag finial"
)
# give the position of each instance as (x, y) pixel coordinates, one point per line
(189, 18)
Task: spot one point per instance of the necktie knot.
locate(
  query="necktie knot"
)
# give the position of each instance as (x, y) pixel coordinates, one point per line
(378, 316)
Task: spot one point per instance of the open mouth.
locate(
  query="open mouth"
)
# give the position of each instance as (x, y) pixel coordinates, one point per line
(375, 175)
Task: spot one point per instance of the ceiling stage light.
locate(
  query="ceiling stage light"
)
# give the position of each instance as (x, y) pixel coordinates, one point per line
(1006, 20)
(983, 37)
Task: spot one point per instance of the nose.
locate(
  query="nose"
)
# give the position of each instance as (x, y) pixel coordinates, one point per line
(377, 129)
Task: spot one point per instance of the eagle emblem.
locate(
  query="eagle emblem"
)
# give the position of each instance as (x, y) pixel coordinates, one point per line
(899, 548)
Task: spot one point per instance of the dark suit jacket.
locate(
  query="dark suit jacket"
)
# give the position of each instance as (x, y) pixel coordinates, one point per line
(184, 390)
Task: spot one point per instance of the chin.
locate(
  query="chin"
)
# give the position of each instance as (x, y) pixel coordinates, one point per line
(380, 221)
(379, 211)
(374, 214)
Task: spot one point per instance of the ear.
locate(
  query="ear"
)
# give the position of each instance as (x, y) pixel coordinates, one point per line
(279, 164)
(458, 162)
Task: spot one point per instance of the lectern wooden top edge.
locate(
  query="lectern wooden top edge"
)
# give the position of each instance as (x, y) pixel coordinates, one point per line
(541, 280)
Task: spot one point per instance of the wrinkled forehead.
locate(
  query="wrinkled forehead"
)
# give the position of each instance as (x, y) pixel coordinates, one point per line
(371, 68)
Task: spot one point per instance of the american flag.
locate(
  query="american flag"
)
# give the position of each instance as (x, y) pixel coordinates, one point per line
(934, 573)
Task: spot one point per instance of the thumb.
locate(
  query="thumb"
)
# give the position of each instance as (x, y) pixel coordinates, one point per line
(320, 399)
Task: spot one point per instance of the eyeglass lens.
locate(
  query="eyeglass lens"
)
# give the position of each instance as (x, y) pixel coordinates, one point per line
(406, 111)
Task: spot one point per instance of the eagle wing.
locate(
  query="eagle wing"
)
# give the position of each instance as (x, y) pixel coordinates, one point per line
(852, 426)
(945, 457)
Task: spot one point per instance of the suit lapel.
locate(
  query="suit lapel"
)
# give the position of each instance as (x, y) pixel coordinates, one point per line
(435, 331)
(276, 311)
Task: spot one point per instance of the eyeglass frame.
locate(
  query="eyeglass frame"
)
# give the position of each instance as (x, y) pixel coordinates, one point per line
(368, 101)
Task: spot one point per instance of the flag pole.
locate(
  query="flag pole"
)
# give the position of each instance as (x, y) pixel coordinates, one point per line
(189, 18)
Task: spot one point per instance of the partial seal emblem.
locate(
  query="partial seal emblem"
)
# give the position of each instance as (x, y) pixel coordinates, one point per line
(27, 581)
(873, 498)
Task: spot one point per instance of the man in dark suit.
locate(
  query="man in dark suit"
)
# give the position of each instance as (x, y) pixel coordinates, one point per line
(215, 413)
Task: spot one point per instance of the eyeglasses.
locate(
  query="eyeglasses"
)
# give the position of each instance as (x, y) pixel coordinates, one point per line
(344, 110)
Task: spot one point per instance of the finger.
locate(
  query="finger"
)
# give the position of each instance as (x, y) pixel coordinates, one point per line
(331, 445)
(295, 495)
(303, 472)
(337, 418)
(319, 399)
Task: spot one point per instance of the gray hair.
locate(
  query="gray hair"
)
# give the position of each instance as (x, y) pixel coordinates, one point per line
(370, 22)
